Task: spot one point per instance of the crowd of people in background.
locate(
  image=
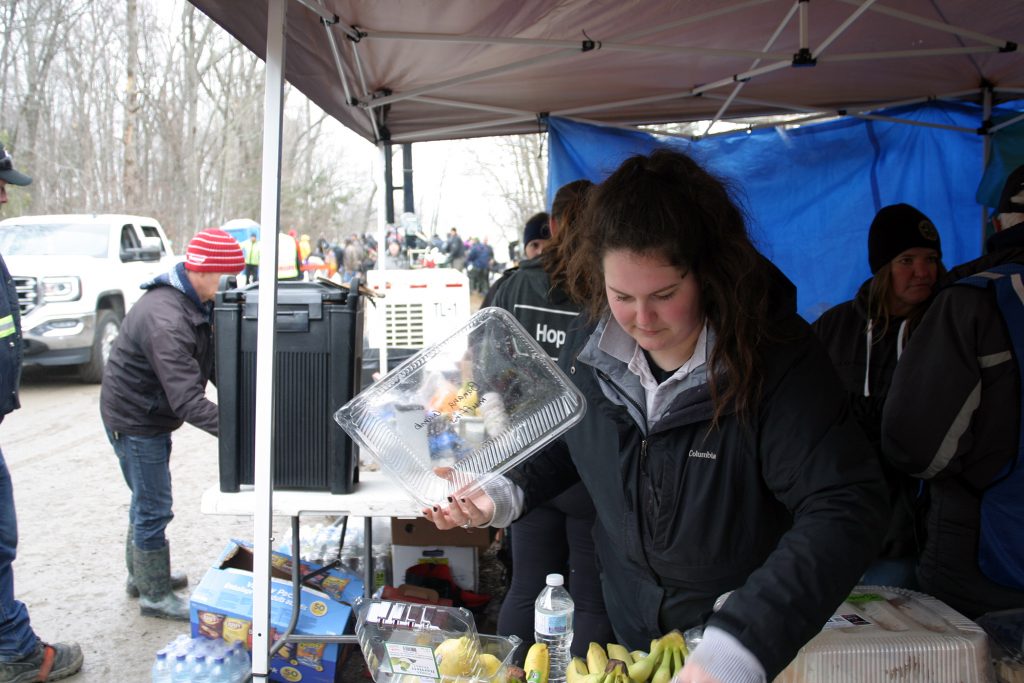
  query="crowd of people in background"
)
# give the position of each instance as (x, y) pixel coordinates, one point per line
(301, 258)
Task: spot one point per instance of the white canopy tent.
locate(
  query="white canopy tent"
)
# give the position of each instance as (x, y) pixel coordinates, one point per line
(411, 70)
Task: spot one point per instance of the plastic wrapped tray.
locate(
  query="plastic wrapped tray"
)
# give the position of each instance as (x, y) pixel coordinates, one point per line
(883, 634)
(463, 410)
(402, 641)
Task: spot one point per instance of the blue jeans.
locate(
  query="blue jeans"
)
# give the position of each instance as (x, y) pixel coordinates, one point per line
(17, 639)
(145, 464)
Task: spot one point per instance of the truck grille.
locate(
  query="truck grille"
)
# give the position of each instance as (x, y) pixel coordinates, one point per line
(28, 293)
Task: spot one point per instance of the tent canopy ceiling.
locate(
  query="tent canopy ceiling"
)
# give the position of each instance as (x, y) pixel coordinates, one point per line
(465, 68)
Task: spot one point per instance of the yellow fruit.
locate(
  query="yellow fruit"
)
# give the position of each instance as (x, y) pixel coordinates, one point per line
(454, 657)
(538, 663)
(642, 669)
(616, 651)
(597, 658)
(576, 670)
(490, 664)
(677, 660)
(664, 672)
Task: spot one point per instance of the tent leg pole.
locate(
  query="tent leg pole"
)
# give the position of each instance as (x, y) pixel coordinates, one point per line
(270, 213)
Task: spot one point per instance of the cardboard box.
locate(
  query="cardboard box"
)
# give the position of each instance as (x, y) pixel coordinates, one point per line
(422, 532)
(221, 607)
(461, 561)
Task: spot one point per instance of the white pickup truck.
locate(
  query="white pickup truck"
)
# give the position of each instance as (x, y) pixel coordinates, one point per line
(77, 275)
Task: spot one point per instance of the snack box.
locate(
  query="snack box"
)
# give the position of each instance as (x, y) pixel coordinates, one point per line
(221, 608)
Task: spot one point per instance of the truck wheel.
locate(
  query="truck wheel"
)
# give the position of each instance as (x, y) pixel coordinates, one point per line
(108, 326)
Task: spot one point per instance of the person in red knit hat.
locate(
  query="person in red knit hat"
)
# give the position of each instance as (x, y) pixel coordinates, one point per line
(155, 381)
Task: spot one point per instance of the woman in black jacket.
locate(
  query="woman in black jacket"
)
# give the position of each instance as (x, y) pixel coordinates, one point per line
(717, 445)
(865, 338)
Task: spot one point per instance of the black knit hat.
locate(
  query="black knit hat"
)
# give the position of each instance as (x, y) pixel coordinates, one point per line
(1014, 187)
(895, 229)
(536, 228)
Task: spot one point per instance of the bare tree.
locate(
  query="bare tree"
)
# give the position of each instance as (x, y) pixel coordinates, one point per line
(112, 111)
(132, 182)
(520, 174)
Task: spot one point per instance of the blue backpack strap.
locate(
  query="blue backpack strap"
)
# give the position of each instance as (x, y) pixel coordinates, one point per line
(1001, 535)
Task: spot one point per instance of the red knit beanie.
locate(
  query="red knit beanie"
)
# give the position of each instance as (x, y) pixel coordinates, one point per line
(214, 251)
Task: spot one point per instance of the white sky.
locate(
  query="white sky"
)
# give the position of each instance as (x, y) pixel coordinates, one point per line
(449, 190)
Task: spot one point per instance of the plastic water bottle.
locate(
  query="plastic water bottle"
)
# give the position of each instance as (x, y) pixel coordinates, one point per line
(200, 669)
(219, 672)
(552, 625)
(240, 664)
(161, 668)
(180, 673)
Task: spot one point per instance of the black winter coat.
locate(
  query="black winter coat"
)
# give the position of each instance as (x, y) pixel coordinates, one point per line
(545, 313)
(10, 344)
(953, 418)
(155, 379)
(786, 510)
(843, 331)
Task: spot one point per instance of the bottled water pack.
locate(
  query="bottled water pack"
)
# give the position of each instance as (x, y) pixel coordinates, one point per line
(201, 660)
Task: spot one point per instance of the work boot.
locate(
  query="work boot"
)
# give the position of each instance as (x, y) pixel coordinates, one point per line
(46, 663)
(178, 579)
(153, 578)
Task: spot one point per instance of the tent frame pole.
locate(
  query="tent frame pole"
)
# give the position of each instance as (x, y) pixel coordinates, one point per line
(937, 25)
(561, 53)
(798, 6)
(270, 210)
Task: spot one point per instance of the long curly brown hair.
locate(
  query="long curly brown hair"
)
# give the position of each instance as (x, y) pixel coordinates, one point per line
(667, 205)
(565, 209)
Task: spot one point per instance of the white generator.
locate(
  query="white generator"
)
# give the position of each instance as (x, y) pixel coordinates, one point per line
(418, 307)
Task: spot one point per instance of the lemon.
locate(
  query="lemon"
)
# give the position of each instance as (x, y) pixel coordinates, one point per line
(490, 664)
(453, 657)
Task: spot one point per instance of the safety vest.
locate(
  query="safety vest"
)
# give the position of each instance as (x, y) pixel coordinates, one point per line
(252, 253)
(287, 253)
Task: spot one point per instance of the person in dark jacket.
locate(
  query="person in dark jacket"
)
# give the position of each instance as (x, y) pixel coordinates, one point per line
(865, 337)
(563, 527)
(155, 381)
(717, 445)
(479, 261)
(23, 656)
(953, 419)
(456, 250)
(536, 234)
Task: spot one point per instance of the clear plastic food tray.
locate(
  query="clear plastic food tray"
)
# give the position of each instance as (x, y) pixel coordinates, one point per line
(475, 404)
(403, 641)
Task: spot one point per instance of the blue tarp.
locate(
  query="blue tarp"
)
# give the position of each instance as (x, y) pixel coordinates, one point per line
(810, 192)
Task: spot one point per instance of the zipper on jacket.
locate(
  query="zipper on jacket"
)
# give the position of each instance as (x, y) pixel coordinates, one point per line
(643, 455)
(625, 396)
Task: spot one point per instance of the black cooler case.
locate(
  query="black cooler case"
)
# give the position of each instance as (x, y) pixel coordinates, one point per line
(318, 352)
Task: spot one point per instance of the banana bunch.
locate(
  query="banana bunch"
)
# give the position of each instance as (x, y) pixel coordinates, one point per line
(619, 665)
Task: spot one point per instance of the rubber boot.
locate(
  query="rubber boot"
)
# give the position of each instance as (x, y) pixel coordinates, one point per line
(153, 577)
(178, 579)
